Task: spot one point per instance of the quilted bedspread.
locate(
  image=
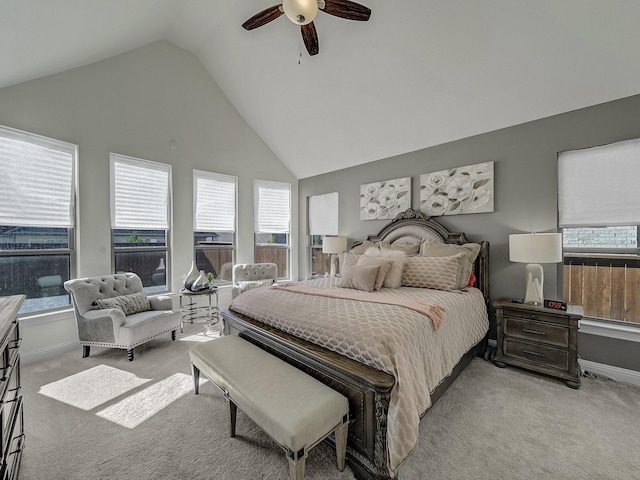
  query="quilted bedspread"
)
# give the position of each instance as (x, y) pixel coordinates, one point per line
(391, 338)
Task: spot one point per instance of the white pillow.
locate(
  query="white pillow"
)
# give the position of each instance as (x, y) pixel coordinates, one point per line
(398, 258)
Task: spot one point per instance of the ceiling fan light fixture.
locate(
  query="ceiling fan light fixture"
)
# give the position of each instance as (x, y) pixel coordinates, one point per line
(300, 12)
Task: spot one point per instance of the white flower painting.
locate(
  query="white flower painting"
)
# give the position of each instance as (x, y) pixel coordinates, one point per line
(459, 190)
(384, 200)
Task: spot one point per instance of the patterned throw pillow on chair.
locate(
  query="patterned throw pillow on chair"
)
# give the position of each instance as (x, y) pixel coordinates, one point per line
(129, 304)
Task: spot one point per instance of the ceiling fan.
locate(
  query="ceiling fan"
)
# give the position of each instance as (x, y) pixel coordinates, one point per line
(302, 12)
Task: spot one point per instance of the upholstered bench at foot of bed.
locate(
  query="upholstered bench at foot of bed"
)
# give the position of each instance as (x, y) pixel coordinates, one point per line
(294, 409)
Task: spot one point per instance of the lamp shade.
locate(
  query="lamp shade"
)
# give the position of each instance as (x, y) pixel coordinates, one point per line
(535, 247)
(300, 12)
(334, 244)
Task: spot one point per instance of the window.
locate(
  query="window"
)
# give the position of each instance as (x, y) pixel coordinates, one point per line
(36, 218)
(272, 213)
(214, 228)
(140, 200)
(599, 212)
(323, 220)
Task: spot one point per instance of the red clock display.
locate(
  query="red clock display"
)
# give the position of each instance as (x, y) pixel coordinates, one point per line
(555, 304)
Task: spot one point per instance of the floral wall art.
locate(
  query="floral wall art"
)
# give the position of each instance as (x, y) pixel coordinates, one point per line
(459, 190)
(384, 200)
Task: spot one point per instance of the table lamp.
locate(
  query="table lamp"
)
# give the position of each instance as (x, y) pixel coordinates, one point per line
(334, 245)
(534, 249)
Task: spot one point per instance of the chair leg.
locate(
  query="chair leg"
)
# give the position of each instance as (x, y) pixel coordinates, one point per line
(130, 354)
(195, 373)
(173, 335)
(85, 351)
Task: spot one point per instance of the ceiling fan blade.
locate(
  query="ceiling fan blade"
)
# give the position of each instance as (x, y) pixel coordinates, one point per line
(347, 9)
(310, 37)
(262, 18)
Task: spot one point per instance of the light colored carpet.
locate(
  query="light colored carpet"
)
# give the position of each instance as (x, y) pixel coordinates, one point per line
(140, 420)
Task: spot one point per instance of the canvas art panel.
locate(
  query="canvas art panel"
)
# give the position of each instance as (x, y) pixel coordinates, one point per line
(457, 191)
(384, 200)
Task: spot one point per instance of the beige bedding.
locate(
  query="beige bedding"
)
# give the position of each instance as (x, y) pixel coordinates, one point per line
(391, 338)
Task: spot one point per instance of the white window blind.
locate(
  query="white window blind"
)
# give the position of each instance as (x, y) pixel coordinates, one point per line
(214, 200)
(37, 180)
(139, 193)
(272, 206)
(599, 186)
(323, 214)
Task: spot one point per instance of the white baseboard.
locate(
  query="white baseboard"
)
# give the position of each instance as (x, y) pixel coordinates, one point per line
(614, 373)
(49, 353)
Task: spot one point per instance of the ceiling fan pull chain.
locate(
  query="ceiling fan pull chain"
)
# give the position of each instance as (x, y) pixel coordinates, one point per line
(299, 50)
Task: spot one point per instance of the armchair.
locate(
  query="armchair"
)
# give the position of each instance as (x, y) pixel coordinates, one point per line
(113, 311)
(251, 275)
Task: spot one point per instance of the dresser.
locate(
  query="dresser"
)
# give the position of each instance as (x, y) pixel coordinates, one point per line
(11, 416)
(539, 339)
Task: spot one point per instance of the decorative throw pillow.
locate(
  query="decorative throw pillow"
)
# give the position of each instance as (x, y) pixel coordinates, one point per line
(470, 250)
(393, 278)
(383, 263)
(407, 248)
(440, 273)
(250, 284)
(348, 259)
(129, 304)
(360, 278)
(362, 247)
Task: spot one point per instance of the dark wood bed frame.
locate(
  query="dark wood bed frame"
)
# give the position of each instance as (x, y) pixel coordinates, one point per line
(368, 390)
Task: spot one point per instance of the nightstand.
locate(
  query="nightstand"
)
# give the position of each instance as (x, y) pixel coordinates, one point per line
(540, 339)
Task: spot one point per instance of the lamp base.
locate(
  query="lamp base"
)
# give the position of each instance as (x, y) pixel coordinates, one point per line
(334, 266)
(535, 278)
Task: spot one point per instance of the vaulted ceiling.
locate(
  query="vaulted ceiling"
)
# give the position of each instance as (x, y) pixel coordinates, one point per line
(418, 74)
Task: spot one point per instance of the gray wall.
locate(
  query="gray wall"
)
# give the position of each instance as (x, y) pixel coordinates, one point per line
(135, 104)
(525, 159)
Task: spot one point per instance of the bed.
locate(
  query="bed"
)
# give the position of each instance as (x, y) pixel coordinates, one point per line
(390, 361)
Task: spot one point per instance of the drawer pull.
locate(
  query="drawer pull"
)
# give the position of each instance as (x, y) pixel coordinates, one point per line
(529, 352)
(533, 316)
(534, 332)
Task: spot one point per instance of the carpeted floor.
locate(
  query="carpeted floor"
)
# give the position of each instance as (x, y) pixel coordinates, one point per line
(104, 417)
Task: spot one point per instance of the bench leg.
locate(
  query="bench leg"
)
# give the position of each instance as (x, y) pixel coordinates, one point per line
(233, 410)
(296, 464)
(341, 443)
(85, 351)
(130, 354)
(173, 335)
(195, 373)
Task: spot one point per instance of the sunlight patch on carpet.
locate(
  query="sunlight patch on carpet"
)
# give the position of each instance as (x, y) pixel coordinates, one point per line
(200, 337)
(140, 406)
(93, 387)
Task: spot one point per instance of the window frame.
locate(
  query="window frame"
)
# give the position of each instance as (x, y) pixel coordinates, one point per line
(216, 177)
(596, 269)
(267, 184)
(70, 250)
(166, 248)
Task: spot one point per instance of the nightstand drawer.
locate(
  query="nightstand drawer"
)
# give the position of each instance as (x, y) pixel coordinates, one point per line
(538, 332)
(537, 316)
(548, 356)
